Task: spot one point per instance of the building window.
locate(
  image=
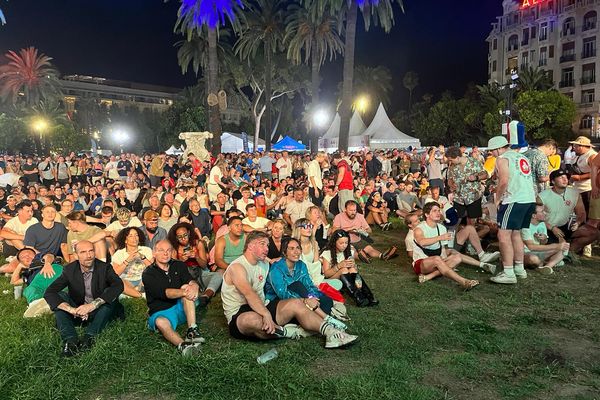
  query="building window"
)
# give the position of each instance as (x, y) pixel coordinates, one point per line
(586, 122)
(544, 31)
(543, 56)
(567, 78)
(524, 60)
(494, 65)
(568, 26)
(589, 20)
(551, 52)
(525, 40)
(589, 47)
(588, 74)
(568, 52)
(513, 43)
(587, 96)
(495, 44)
(533, 32)
(513, 64)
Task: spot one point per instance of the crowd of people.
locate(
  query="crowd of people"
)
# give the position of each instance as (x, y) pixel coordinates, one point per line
(282, 238)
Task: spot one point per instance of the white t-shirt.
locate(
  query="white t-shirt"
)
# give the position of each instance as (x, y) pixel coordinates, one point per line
(560, 207)
(111, 168)
(284, 172)
(409, 240)
(528, 233)
(259, 223)
(17, 227)
(340, 256)
(314, 170)
(297, 210)
(133, 271)
(429, 232)
(215, 172)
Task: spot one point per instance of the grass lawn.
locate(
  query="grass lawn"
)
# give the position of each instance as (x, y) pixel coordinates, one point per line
(535, 340)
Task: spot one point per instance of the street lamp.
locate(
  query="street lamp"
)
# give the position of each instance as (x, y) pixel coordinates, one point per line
(320, 119)
(39, 125)
(361, 104)
(120, 136)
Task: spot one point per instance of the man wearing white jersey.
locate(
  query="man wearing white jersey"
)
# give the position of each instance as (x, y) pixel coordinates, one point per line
(515, 199)
(250, 316)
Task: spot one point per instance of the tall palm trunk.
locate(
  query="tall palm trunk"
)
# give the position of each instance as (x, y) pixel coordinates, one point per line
(409, 99)
(314, 136)
(268, 95)
(214, 113)
(346, 106)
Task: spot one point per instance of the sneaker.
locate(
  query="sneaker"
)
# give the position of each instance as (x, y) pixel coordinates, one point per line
(193, 335)
(339, 339)
(587, 251)
(503, 278)
(491, 268)
(561, 264)
(188, 349)
(69, 349)
(293, 331)
(520, 273)
(336, 323)
(545, 270)
(36, 308)
(489, 257)
(471, 250)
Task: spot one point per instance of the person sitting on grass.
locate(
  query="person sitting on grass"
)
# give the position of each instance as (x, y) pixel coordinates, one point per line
(80, 230)
(231, 245)
(538, 252)
(91, 298)
(13, 234)
(357, 227)
(338, 263)
(289, 279)
(131, 259)
(172, 298)
(27, 274)
(427, 242)
(251, 316)
(376, 211)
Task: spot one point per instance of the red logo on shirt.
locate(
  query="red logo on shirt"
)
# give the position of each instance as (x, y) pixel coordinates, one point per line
(568, 202)
(260, 278)
(524, 166)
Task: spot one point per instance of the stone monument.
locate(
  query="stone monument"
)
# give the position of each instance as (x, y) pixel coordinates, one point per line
(194, 143)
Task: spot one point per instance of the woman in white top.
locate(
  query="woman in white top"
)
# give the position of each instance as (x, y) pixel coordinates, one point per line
(303, 231)
(338, 262)
(131, 259)
(215, 183)
(166, 218)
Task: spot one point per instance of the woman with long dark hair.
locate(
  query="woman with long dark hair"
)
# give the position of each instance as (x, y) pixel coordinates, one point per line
(131, 259)
(338, 263)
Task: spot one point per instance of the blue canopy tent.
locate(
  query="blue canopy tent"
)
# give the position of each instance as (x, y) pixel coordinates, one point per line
(288, 144)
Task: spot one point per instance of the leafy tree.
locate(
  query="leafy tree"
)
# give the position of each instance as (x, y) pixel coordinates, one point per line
(410, 82)
(263, 30)
(14, 134)
(181, 117)
(534, 79)
(546, 114)
(30, 73)
(376, 82)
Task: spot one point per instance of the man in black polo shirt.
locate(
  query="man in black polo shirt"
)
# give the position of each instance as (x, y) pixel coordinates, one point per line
(172, 296)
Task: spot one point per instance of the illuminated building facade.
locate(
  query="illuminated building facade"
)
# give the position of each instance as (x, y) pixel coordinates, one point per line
(559, 37)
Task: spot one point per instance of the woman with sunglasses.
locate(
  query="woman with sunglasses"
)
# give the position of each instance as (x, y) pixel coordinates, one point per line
(187, 247)
(131, 259)
(288, 278)
(376, 211)
(338, 263)
(303, 231)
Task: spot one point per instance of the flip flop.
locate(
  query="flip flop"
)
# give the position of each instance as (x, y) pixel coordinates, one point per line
(470, 284)
(364, 257)
(389, 253)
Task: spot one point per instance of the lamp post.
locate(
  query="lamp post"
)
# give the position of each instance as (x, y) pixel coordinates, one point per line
(120, 136)
(320, 119)
(361, 104)
(39, 125)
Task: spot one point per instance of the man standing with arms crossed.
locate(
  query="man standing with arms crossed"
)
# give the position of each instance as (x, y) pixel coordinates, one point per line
(515, 198)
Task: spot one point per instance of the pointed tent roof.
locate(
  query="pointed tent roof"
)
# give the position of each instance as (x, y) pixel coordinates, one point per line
(334, 128)
(357, 126)
(382, 131)
(288, 144)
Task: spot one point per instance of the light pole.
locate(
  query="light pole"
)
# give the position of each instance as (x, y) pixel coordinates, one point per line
(320, 120)
(39, 125)
(120, 136)
(361, 104)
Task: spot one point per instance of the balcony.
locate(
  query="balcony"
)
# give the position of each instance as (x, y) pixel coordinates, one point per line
(543, 62)
(588, 26)
(567, 83)
(567, 32)
(569, 8)
(567, 58)
(543, 37)
(589, 53)
(513, 47)
(586, 80)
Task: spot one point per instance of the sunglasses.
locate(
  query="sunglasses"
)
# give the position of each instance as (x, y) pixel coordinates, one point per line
(306, 226)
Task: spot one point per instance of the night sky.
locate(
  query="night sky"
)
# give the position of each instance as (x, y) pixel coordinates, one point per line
(442, 40)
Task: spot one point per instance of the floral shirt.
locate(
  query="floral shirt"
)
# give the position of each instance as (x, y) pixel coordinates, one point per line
(539, 167)
(466, 192)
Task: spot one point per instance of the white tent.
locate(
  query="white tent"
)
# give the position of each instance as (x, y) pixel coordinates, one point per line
(174, 151)
(233, 143)
(384, 135)
(356, 141)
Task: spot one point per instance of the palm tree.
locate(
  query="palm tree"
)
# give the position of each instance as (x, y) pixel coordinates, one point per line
(410, 82)
(30, 73)
(310, 37)
(263, 30)
(374, 81)
(193, 15)
(380, 12)
(534, 79)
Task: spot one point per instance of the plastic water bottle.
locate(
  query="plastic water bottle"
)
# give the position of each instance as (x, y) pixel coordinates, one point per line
(358, 281)
(18, 292)
(268, 356)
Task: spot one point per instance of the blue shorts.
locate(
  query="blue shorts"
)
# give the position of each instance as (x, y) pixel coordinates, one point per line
(175, 315)
(515, 216)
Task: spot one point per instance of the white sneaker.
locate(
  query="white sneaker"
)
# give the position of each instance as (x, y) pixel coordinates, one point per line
(336, 323)
(503, 278)
(491, 268)
(339, 339)
(520, 273)
(36, 308)
(490, 257)
(545, 270)
(294, 331)
(189, 349)
(587, 251)
(471, 250)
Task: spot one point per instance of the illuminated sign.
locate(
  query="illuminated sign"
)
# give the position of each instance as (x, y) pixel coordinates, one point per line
(531, 3)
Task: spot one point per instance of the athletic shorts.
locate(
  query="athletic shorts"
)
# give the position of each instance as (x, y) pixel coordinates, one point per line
(472, 210)
(417, 266)
(175, 315)
(233, 328)
(515, 216)
(594, 209)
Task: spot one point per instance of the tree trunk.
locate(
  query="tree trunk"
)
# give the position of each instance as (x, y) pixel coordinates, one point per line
(214, 113)
(409, 99)
(346, 106)
(314, 135)
(268, 95)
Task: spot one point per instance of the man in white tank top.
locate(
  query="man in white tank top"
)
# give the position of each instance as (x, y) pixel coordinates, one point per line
(515, 199)
(250, 316)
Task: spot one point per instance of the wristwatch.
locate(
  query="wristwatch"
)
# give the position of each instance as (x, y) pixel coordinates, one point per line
(97, 302)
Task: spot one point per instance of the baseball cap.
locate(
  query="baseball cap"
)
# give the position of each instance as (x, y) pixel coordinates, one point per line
(558, 173)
